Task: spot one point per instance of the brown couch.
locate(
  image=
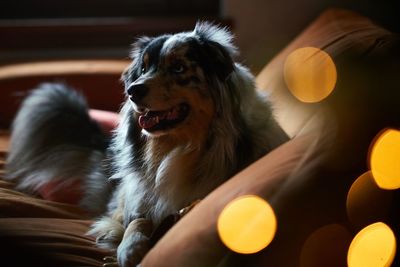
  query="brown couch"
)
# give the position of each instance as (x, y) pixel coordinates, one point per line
(305, 180)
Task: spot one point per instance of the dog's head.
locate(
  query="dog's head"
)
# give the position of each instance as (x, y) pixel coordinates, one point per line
(174, 81)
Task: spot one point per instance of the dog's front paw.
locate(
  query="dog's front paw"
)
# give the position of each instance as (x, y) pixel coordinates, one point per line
(132, 250)
(110, 261)
(108, 233)
(135, 243)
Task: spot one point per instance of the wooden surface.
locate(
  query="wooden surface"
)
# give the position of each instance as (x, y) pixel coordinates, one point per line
(25, 40)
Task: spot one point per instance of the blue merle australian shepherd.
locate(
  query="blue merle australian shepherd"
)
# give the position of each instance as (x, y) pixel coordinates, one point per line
(192, 118)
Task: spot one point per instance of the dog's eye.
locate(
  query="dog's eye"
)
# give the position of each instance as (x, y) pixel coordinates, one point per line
(143, 70)
(178, 68)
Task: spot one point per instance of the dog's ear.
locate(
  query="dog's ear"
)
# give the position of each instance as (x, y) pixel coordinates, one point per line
(217, 44)
(138, 46)
(132, 72)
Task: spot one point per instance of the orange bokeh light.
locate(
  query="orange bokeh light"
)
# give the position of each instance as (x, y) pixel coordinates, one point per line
(247, 224)
(385, 159)
(310, 74)
(373, 246)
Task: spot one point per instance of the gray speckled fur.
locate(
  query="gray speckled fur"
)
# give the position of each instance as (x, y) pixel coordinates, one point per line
(242, 130)
(54, 138)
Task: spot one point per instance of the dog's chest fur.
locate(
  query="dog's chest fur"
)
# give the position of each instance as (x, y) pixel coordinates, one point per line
(165, 184)
(159, 176)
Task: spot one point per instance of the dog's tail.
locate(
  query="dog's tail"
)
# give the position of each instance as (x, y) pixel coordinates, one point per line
(57, 150)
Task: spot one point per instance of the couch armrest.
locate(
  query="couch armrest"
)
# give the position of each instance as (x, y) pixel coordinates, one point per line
(98, 80)
(340, 33)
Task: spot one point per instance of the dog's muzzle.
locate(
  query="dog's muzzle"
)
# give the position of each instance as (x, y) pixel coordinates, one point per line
(164, 119)
(137, 91)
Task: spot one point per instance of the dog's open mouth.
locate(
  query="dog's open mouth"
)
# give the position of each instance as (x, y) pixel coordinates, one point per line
(162, 120)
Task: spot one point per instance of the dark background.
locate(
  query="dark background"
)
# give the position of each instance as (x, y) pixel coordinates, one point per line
(47, 29)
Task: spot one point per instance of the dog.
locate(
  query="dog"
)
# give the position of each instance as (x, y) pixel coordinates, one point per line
(192, 118)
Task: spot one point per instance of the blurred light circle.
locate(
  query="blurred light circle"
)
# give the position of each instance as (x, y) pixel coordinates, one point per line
(326, 246)
(310, 74)
(367, 203)
(247, 224)
(373, 246)
(385, 159)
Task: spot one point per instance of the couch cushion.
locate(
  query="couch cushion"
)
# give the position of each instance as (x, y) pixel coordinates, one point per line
(38, 232)
(48, 242)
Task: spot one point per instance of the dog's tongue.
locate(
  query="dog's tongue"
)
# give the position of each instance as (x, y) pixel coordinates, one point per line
(152, 118)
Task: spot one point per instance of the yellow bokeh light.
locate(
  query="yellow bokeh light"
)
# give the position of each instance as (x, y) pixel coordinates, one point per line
(373, 246)
(247, 224)
(385, 160)
(310, 74)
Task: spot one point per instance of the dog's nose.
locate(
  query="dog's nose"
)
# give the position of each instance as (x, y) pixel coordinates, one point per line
(137, 91)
